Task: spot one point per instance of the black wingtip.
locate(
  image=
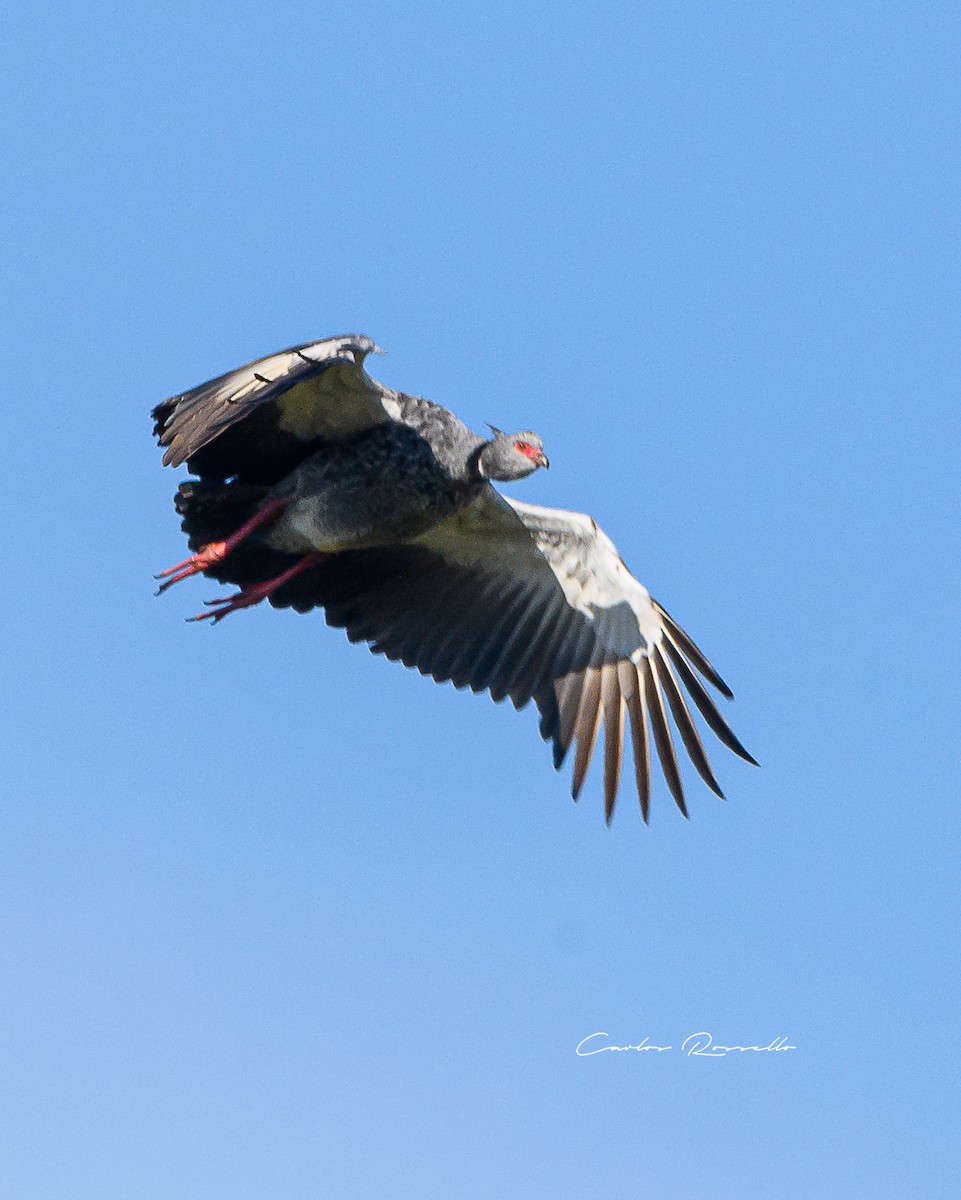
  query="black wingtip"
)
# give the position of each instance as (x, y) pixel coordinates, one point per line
(694, 652)
(705, 704)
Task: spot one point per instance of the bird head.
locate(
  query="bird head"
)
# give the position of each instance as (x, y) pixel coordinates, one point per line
(511, 455)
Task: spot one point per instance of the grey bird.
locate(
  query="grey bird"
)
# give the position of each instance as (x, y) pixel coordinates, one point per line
(317, 486)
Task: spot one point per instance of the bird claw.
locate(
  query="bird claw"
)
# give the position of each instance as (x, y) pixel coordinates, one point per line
(218, 609)
(205, 557)
(253, 593)
(213, 552)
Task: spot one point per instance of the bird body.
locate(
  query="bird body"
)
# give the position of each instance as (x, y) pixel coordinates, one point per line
(380, 486)
(319, 486)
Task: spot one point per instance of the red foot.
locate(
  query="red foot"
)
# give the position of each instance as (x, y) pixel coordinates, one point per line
(213, 552)
(255, 592)
(205, 557)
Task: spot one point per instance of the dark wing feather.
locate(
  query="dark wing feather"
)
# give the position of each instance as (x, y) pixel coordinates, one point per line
(259, 421)
(684, 723)
(588, 723)
(637, 712)
(613, 702)
(662, 733)
(706, 706)
(529, 603)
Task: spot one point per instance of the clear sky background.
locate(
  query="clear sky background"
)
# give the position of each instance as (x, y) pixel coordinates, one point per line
(280, 919)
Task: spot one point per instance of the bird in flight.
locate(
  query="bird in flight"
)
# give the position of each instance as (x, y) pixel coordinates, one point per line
(317, 486)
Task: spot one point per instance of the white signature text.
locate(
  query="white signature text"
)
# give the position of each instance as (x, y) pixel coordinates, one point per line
(695, 1045)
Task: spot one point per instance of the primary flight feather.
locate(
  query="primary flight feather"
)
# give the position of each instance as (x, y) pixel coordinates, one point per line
(317, 486)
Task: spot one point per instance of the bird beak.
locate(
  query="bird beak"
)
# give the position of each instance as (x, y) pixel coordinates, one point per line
(543, 461)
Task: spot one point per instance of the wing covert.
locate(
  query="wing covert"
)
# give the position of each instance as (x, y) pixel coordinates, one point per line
(261, 419)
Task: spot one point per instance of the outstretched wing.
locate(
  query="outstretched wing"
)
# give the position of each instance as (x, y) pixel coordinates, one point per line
(640, 658)
(532, 603)
(260, 420)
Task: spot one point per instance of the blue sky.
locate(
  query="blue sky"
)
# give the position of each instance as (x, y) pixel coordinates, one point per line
(281, 919)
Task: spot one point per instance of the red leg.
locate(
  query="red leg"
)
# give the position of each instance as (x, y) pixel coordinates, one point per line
(213, 552)
(253, 593)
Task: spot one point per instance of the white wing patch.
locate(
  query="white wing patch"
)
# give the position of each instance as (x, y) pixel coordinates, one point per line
(499, 533)
(594, 577)
(336, 404)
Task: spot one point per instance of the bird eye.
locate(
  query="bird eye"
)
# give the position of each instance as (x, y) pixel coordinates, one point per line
(523, 447)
